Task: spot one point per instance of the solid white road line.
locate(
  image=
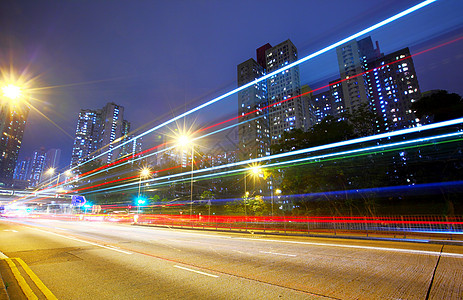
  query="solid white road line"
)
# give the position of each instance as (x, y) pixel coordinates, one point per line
(409, 251)
(86, 242)
(2, 256)
(274, 253)
(199, 272)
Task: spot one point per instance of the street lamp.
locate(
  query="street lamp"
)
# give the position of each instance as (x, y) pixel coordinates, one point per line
(145, 172)
(51, 172)
(277, 192)
(11, 91)
(184, 141)
(255, 171)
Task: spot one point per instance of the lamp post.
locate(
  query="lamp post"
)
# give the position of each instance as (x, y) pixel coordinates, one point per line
(185, 141)
(255, 171)
(145, 172)
(51, 172)
(278, 192)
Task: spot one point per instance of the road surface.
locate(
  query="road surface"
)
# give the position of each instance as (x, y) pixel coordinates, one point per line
(89, 260)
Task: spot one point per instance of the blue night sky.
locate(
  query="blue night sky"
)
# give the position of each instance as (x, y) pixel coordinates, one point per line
(156, 57)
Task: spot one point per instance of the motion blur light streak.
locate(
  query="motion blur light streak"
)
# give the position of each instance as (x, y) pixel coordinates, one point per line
(344, 154)
(309, 57)
(416, 189)
(260, 109)
(339, 155)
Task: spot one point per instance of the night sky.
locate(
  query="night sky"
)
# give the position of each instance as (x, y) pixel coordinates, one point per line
(155, 57)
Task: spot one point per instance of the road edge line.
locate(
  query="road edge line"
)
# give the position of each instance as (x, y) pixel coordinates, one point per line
(21, 281)
(42, 287)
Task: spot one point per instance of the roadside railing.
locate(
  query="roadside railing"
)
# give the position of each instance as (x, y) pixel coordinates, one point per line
(420, 227)
(424, 227)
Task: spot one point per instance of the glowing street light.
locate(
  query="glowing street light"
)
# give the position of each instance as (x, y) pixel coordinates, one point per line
(145, 172)
(278, 193)
(11, 91)
(256, 170)
(51, 171)
(185, 141)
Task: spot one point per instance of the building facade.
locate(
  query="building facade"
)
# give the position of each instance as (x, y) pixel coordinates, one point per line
(393, 87)
(52, 158)
(110, 131)
(353, 58)
(253, 130)
(329, 103)
(287, 111)
(12, 124)
(386, 83)
(97, 132)
(38, 170)
(87, 136)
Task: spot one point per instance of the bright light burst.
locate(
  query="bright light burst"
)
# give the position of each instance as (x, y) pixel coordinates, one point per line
(12, 91)
(256, 170)
(145, 172)
(184, 141)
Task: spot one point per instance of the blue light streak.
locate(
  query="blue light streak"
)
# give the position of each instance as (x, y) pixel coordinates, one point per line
(278, 164)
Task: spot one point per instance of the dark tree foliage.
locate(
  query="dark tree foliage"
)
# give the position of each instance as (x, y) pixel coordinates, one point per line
(328, 131)
(439, 106)
(364, 121)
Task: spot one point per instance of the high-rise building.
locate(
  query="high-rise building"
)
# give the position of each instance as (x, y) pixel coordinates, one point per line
(284, 114)
(386, 83)
(52, 158)
(97, 132)
(393, 87)
(110, 131)
(311, 118)
(125, 133)
(23, 169)
(260, 55)
(12, 124)
(353, 59)
(87, 135)
(253, 130)
(38, 167)
(329, 103)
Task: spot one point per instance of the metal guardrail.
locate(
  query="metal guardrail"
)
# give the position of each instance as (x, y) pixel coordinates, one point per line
(420, 227)
(424, 227)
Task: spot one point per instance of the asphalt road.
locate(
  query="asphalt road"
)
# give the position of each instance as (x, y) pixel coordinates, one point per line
(82, 260)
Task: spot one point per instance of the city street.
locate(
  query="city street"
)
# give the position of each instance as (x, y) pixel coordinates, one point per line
(82, 260)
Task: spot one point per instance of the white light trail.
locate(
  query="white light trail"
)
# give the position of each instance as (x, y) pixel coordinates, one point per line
(298, 62)
(287, 154)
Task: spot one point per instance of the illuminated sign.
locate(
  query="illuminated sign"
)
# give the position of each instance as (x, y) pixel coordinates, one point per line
(78, 200)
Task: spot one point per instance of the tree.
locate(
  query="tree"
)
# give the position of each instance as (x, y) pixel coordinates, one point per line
(439, 106)
(329, 130)
(364, 121)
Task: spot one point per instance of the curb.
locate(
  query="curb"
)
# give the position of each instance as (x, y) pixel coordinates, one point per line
(3, 292)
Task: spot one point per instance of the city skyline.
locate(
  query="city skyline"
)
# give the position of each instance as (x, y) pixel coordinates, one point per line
(105, 91)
